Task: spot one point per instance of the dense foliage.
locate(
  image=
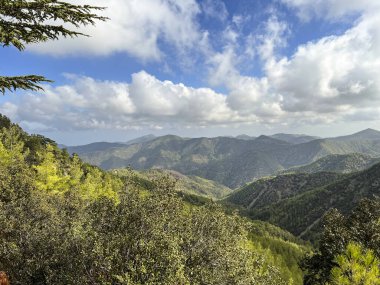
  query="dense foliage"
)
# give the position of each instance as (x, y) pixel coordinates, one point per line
(349, 247)
(66, 222)
(356, 266)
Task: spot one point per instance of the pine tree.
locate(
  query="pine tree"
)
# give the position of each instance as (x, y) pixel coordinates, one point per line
(356, 266)
(28, 21)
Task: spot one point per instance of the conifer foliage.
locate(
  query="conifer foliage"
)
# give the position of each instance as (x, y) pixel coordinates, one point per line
(356, 266)
(24, 22)
(349, 249)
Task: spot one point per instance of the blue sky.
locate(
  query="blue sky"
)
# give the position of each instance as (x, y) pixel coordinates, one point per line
(205, 68)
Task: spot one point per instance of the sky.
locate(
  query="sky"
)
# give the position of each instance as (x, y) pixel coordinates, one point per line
(205, 68)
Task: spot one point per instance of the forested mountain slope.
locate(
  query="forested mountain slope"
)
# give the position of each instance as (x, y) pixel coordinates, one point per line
(229, 161)
(269, 191)
(341, 163)
(305, 198)
(367, 134)
(188, 184)
(219, 159)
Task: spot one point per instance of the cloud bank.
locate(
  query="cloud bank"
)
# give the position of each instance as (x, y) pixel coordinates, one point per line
(145, 102)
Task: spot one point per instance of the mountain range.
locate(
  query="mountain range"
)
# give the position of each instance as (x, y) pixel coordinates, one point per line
(297, 202)
(230, 161)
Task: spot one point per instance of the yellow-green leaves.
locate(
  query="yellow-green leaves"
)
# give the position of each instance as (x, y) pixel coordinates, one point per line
(5, 157)
(98, 184)
(356, 266)
(49, 176)
(55, 178)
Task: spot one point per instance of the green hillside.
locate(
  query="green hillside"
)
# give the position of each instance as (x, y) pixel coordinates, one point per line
(67, 222)
(367, 134)
(188, 184)
(306, 153)
(341, 163)
(269, 191)
(300, 212)
(222, 159)
(229, 161)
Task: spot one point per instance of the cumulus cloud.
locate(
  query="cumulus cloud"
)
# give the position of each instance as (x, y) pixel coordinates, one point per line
(135, 27)
(145, 102)
(225, 65)
(337, 74)
(332, 78)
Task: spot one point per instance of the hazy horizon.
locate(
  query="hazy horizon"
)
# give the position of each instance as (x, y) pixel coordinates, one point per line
(204, 136)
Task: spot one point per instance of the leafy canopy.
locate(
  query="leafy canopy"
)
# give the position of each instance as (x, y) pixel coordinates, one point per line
(24, 22)
(66, 222)
(356, 266)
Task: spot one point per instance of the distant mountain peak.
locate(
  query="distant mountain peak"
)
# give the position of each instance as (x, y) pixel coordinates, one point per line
(264, 137)
(142, 139)
(294, 138)
(368, 131)
(148, 136)
(367, 134)
(268, 139)
(168, 138)
(245, 137)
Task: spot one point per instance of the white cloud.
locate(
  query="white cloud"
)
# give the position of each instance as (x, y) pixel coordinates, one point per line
(223, 69)
(331, 9)
(145, 102)
(337, 74)
(166, 101)
(333, 78)
(135, 27)
(274, 37)
(225, 65)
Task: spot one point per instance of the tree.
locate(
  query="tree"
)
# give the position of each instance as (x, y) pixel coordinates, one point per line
(356, 266)
(29, 21)
(48, 174)
(361, 226)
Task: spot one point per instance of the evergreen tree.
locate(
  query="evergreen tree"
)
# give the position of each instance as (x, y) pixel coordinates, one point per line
(356, 266)
(28, 21)
(360, 227)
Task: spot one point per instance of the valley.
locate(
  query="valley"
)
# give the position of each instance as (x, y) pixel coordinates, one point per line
(234, 162)
(287, 180)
